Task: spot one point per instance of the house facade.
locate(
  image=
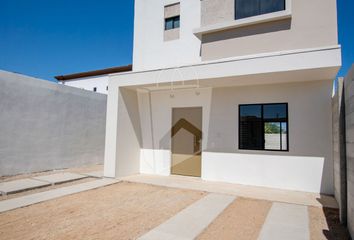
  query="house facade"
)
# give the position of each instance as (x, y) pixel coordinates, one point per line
(235, 91)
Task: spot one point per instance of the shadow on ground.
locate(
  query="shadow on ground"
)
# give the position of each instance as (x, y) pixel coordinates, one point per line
(336, 230)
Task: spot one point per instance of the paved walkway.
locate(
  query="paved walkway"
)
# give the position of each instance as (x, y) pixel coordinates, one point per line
(263, 193)
(96, 174)
(30, 183)
(60, 177)
(21, 185)
(190, 222)
(27, 200)
(286, 221)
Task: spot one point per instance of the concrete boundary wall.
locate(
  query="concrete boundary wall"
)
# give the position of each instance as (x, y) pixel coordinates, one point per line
(349, 119)
(343, 148)
(339, 149)
(45, 126)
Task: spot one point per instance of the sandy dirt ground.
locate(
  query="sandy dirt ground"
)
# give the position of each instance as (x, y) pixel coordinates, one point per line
(120, 211)
(324, 224)
(241, 220)
(83, 169)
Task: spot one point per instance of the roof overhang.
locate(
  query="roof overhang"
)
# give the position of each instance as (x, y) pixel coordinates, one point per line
(95, 73)
(279, 67)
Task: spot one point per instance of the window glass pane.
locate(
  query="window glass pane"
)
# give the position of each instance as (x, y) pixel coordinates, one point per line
(251, 111)
(263, 127)
(247, 8)
(251, 132)
(268, 6)
(274, 112)
(272, 136)
(176, 22)
(168, 24)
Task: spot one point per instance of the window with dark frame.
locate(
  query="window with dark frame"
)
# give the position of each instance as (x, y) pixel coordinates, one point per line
(172, 23)
(250, 8)
(264, 127)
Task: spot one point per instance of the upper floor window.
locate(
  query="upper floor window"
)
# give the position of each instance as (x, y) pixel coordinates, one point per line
(250, 8)
(263, 127)
(172, 23)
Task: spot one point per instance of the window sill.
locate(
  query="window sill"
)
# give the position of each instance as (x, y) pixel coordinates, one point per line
(270, 17)
(262, 150)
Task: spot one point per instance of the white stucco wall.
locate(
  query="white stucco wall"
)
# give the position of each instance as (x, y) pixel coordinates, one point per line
(124, 120)
(307, 166)
(100, 82)
(156, 120)
(313, 23)
(150, 49)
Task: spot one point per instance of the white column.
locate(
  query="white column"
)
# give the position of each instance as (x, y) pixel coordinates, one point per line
(110, 156)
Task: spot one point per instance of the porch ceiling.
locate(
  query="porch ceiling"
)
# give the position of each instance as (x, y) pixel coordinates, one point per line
(281, 67)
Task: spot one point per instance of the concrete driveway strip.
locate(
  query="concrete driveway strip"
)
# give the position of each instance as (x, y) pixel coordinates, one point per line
(191, 221)
(24, 201)
(60, 177)
(96, 174)
(21, 185)
(286, 221)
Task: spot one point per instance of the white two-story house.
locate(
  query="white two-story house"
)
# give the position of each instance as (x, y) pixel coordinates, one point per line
(236, 91)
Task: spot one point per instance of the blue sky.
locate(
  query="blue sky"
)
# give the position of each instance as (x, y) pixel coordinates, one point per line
(346, 33)
(45, 38)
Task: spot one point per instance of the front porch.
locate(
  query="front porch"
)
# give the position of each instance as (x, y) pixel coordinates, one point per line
(140, 119)
(261, 193)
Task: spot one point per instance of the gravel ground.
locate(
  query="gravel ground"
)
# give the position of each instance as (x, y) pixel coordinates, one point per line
(129, 210)
(244, 218)
(120, 211)
(241, 220)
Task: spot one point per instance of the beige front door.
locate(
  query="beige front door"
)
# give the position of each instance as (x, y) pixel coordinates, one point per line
(186, 134)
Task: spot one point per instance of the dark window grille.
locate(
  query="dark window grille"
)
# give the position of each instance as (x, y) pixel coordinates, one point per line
(250, 8)
(172, 23)
(264, 127)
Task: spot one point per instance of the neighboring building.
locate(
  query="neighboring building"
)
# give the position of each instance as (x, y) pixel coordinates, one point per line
(96, 81)
(228, 90)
